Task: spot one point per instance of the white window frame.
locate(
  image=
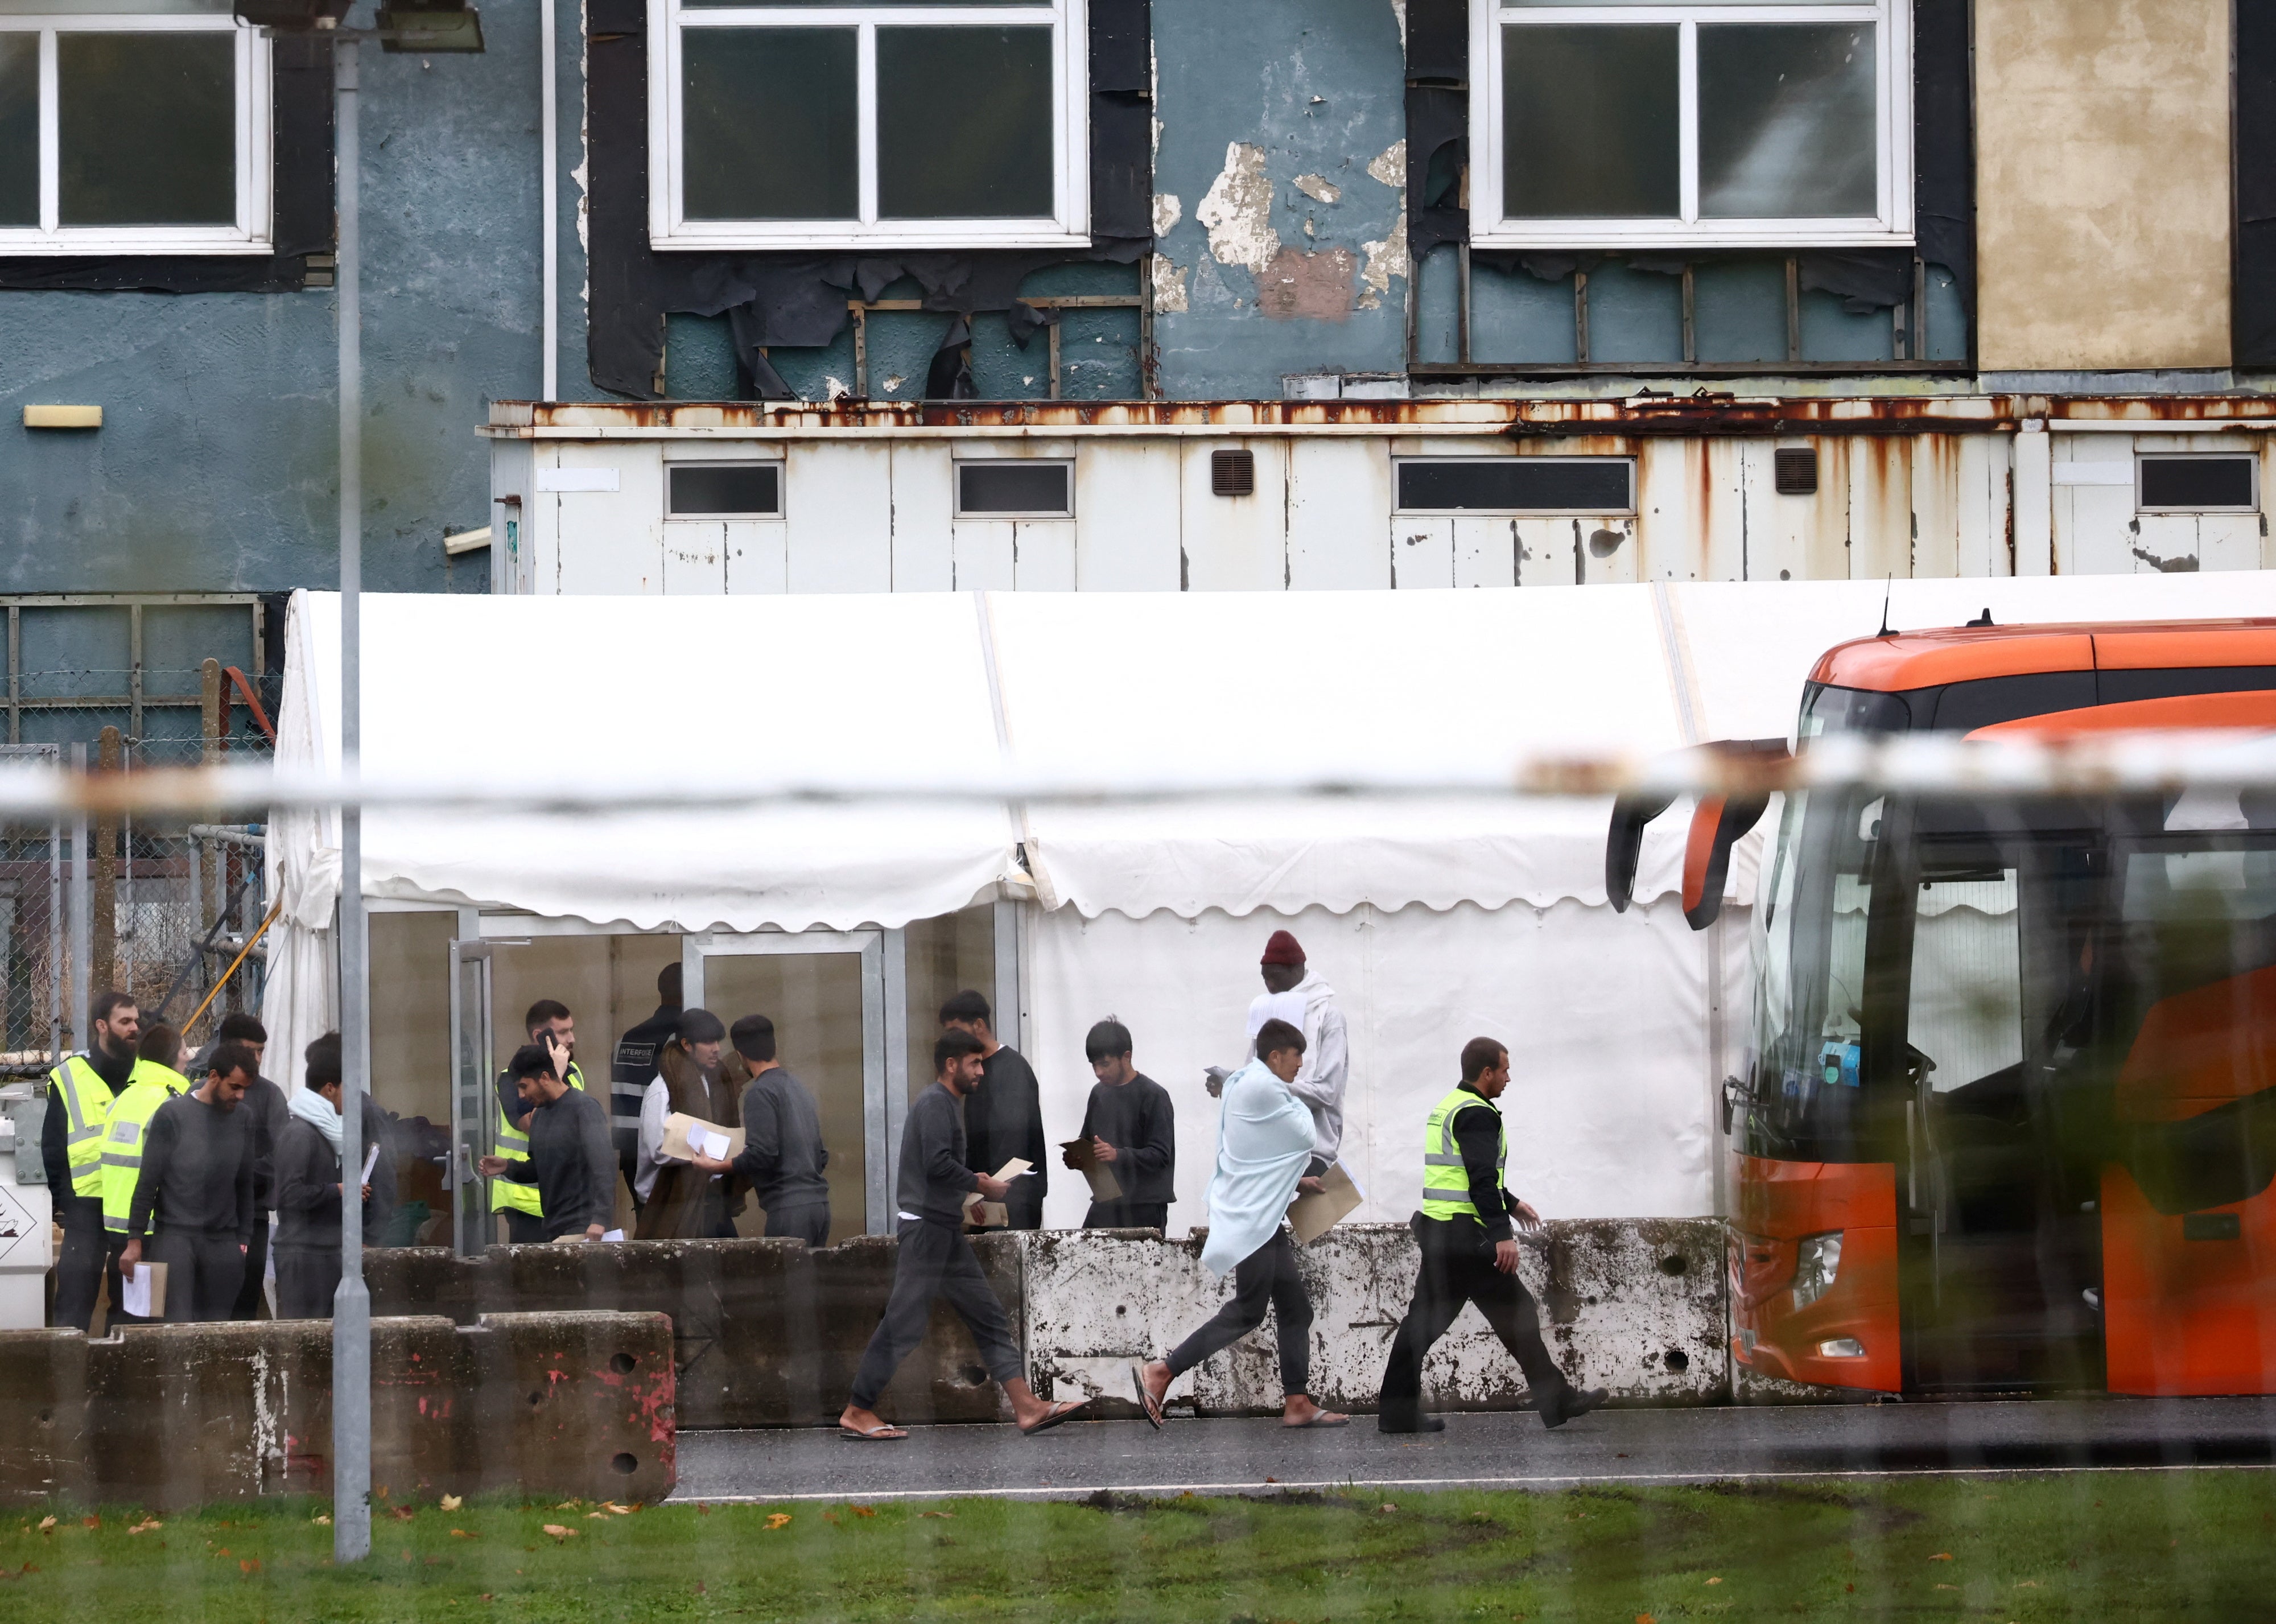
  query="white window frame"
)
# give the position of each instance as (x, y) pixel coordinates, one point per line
(1626, 512)
(741, 515)
(1892, 225)
(1068, 225)
(2143, 459)
(252, 232)
(1025, 515)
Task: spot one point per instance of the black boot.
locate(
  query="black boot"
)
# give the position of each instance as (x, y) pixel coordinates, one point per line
(1562, 1407)
(1394, 1416)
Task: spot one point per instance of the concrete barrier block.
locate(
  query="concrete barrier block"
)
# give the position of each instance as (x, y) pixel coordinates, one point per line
(45, 1451)
(579, 1404)
(408, 1280)
(1634, 1306)
(943, 1379)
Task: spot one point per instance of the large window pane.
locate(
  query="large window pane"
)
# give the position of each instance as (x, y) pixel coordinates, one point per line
(1588, 123)
(768, 124)
(147, 128)
(1785, 121)
(964, 122)
(19, 129)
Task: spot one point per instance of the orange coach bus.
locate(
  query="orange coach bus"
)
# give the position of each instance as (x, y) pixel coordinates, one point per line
(2009, 1115)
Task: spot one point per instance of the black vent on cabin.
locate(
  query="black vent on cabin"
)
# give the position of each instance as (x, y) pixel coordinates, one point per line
(1794, 471)
(1232, 474)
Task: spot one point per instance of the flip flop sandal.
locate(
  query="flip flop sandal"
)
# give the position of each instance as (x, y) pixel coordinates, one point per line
(875, 1435)
(1064, 1412)
(1323, 1419)
(1147, 1401)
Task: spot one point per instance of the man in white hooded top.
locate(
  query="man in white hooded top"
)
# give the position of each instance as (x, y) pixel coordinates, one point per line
(1265, 1139)
(1293, 993)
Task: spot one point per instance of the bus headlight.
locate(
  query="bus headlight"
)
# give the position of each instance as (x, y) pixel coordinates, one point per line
(1818, 1259)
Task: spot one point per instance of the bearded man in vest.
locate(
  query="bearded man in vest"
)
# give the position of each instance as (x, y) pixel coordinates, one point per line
(79, 1094)
(1469, 1253)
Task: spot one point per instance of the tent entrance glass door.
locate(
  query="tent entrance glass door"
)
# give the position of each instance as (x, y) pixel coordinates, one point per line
(826, 993)
(473, 1104)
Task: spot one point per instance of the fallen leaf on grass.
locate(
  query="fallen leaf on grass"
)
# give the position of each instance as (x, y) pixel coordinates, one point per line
(936, 1514)
(559, 1532)
(1716, 1581)
(324, 1520)
(451, 1502)
(462, 1534)
(702, 1510)
(486, 1596)
(90, 1522)
(146, 1525)
(223, 1551)
(596, 1516)
(863, 1511)
(248, 1565)
(622, 1511)
(571, 1505)
(1645, 1617)
(401, 1514)
(2027, 1585)
(1388, 1506)
(1941, 1556)
(1947, 1586)
(777, 1519)
(700, 1590)
(829, 1516)
(46, 1523)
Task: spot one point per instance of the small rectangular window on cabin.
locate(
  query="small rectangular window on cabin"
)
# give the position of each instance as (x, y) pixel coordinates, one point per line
(2202, 484)
(1009, 487)
(1517, 485)
(725, 489)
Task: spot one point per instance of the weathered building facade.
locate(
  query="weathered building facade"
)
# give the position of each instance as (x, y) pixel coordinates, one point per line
(1284, 294)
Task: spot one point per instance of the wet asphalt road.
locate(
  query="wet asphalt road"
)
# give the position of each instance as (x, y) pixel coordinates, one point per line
(1495, 1450)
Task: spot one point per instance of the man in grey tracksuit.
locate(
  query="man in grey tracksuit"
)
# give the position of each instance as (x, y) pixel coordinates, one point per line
(935, 1259)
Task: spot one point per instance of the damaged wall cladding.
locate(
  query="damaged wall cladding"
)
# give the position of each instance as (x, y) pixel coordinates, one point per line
(798, 300)
(1923, 486)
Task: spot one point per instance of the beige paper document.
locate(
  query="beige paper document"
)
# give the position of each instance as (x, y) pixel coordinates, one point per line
(686, 1137)
(1104, 1185)
(992, 1214)
(1313, 1216)
(143, 1293)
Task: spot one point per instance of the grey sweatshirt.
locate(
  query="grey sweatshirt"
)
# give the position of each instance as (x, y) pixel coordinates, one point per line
(783, 1155)
(934, 1177)
(197, 1171)
(572, 1163)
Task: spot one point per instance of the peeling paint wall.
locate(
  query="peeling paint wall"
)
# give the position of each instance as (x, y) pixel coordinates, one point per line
(1281, 198)
(2102, 183)
(216, 467)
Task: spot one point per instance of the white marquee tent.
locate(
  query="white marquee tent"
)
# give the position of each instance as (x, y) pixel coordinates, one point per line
(1436, 920)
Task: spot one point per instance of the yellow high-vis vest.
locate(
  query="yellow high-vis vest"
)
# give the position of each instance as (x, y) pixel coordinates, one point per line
(150, 1086)
(511, 1141)
(86, 1116)
(1445, 1181)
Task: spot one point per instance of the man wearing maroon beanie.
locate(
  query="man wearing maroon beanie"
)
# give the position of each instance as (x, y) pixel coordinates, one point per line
(1294, 994)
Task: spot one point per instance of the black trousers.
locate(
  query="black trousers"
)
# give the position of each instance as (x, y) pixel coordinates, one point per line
(1458, 1268)
(89, 1258)
(1127, 1215)
(307, 1279)
(809, 1223)
(202, 1273)
(524, 1228)
(935, 1261)
(249, 1301)
(1266, 1277)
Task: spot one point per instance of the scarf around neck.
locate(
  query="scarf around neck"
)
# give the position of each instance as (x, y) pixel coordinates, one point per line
(317, 1111)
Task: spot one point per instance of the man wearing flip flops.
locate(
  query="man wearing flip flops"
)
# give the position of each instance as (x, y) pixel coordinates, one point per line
(1264, 1145)
(935, 1259)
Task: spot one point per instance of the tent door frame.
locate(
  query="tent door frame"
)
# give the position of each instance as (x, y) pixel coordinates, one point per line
(884, 1035)
(473, 1111)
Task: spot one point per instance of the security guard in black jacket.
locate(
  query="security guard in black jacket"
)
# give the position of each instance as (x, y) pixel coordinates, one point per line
(1469, 1253)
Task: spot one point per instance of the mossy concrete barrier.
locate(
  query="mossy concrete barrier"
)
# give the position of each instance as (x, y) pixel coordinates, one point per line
(568, 1404)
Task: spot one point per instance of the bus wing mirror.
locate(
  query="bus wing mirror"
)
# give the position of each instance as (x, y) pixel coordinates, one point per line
(1716, 824)
(1624, 845)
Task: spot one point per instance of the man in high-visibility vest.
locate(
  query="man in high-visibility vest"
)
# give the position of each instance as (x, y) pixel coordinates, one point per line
(154, 1083)
(79, 1095)
(550, 1026)
(1469, 1253)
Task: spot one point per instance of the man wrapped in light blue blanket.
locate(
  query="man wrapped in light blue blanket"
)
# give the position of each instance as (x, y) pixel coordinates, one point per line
(1264, 1142)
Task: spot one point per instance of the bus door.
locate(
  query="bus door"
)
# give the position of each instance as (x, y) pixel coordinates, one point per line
(2188, 1206)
